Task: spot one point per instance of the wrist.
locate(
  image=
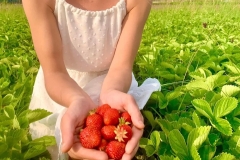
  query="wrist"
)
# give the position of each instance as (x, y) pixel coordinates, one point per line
(83, 101)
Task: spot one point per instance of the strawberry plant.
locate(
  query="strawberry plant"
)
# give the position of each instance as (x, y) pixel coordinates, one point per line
(195, 55)
(18, 67)
(193, 48)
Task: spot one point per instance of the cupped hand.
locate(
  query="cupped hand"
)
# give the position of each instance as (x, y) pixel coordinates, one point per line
(71, 123)
(125, 102)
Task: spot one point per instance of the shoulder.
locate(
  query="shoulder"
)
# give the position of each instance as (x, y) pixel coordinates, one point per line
(141, 4)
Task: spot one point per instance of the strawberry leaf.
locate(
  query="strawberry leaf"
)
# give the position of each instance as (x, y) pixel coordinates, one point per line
(147, 114)
(165, 125)
(7, 99)
(150, 150)
(9, 112)
(222, 126)
(155, 138)
(229, 90)
(198, 84)
(203, 107)
(37, 114)
(197, 136)
(194, 153)
(224, 156)
(178, 145)
(196, 119)
(224, 106)
(169, 158)
(207, 151)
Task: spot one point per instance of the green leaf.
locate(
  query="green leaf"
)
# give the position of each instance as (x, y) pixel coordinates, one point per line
(197, 84)
(150, 150)
(1, 100)
(194, 153)
(236, 111)
(37, 114)
(235, 122)
(9, 111)
(45, 140)
(196, 119)
(34, 151)
(233, 68)
(222, 125)
(155, 138)
(203, 107)
(197, 136)
(173, 95)
(224, 156)
(229, 90)
(144, 142)
(224, 106)
(216, 80)
(207, 152)
(177, 143)
(7, 99)
(4, 85)
(213, 139)
(16, 124)
(186, 123)
(3, 147)
(168, 158)
(150, 118)
(165, 125)
(163, 102)
(23, 122)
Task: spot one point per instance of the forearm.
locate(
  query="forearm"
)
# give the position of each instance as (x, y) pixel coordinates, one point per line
(117, 79)
(62, 88)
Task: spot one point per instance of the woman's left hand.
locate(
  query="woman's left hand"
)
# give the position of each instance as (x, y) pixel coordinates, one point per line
(125, 102)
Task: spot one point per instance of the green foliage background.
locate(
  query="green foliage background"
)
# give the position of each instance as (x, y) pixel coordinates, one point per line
(192, 48)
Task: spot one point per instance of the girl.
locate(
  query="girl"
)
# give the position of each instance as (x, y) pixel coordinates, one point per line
(86, 50)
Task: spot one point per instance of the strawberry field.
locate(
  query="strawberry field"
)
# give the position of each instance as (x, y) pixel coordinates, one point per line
(194, 51)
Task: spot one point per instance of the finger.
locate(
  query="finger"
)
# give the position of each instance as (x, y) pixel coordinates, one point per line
(127, 156)
(133, 142)
(79, 152)
(67, 129)
(136, 116)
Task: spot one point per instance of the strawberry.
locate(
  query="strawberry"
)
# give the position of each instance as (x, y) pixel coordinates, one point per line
(126, 116)
(102, 109)
(108, 132)
(94, 120)
(123, 133)
(90, 137)
(115, 150)
(111, 117)
(103, 145)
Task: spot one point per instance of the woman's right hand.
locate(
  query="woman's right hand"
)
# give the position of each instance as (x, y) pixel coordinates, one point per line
(71, 123)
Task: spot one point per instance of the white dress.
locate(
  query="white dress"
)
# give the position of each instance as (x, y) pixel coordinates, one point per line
(89, 40)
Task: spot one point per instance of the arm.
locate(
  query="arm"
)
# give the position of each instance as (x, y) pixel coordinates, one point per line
(119, 77)
(47, 42)
(59, 85)
(120, 73)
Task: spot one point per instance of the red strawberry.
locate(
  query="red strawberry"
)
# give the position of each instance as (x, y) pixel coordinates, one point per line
(126, 117)
(108, 132)
(115, 150)
(94, 120)
(123, 133)
(111, 117)
(102, 109)
(90, 137)
(102, 145)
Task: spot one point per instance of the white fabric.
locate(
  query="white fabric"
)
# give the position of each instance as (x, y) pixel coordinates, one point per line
(89, 40)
